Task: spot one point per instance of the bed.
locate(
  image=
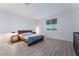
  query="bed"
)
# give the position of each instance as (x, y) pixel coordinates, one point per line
(29, 37)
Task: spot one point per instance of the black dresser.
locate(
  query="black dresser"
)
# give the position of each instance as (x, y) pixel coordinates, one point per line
(76, 42)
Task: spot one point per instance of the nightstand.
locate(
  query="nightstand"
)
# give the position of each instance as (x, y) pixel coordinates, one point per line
(14, 39)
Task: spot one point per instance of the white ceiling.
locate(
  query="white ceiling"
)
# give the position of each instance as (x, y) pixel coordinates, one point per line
(37, 10)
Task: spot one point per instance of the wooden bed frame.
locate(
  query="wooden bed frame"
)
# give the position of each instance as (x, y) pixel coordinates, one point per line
(25, 31)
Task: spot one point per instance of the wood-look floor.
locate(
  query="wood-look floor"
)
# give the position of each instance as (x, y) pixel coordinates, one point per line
(48, 47)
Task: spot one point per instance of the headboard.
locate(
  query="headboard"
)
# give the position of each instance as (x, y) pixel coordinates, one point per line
(23, 31)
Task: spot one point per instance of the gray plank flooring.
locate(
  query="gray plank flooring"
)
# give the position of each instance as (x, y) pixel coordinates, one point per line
(48, 47)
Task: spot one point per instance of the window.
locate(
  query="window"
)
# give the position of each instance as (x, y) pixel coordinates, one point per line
(51, 24)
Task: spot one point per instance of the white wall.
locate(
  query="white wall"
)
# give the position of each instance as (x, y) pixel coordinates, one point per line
(75, 17)
(67, 23)
(11, 22)
(65, 26)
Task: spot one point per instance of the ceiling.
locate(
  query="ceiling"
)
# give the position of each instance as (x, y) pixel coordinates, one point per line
(37, 10)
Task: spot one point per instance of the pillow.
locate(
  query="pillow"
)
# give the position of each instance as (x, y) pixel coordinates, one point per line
(27, 34)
